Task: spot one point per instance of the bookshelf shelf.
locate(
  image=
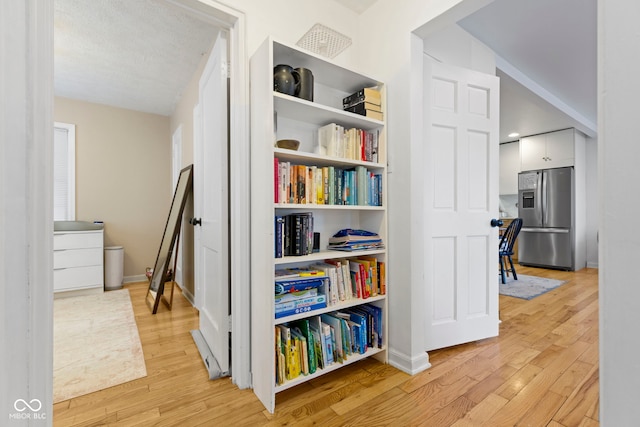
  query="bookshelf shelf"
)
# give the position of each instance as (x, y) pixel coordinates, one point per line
(311, 206)
(351, 359)
(319, 160)
(337, 307)
(326, 254)
(277, 116)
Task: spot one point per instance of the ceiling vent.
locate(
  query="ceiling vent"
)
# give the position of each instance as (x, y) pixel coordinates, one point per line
(324, 41)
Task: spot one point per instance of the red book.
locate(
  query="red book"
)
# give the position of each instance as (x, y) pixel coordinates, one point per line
(276, 179)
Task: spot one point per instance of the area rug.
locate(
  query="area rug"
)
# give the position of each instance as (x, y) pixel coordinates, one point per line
(95, 344)
(527, 287)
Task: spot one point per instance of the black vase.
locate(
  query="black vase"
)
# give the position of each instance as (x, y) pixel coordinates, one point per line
(285, 79)
(305, 88)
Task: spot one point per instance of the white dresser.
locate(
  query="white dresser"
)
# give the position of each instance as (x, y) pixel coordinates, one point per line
(78, 262)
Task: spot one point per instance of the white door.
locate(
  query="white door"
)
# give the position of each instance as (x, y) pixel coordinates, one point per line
(211, 206)
(461, 197)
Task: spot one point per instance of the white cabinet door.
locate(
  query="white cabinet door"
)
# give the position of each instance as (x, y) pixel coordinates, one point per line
(560, 148)
(509, 167)
(548, 150)
(533, 151)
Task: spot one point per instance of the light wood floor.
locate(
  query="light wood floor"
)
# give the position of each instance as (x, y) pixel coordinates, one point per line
(541, 371)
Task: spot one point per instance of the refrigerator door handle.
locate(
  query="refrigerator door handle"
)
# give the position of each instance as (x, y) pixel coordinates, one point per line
(545, 201)
(544, 230)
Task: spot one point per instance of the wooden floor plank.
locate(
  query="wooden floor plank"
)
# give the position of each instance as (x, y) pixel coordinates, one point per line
(542, 369)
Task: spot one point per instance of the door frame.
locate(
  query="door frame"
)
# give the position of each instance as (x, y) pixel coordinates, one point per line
(239, 173)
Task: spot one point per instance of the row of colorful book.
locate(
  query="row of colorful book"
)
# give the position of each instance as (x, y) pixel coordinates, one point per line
(353, 144)
(293, 234)
(323, 284)
(366, 102)
(328, 185)
(304, 346)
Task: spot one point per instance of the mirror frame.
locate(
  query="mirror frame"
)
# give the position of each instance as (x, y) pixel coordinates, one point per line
(155, 292)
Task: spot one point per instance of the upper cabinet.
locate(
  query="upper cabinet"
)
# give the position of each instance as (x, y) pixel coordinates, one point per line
(548, 150)
(509, 167)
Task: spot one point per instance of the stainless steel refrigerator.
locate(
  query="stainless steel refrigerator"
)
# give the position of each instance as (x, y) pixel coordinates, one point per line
(546, 205)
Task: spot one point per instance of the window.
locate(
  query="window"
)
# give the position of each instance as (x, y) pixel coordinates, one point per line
(64, 172)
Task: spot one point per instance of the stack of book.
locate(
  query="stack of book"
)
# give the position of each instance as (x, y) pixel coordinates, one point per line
(366, 102)
(299, 292)
(355, 240)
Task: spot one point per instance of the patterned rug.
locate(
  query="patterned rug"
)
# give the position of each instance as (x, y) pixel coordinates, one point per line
(527, 287)
(95, 344)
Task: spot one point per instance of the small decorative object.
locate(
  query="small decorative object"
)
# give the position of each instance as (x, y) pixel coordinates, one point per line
(285, 79)
(289, 144)
(304, 89)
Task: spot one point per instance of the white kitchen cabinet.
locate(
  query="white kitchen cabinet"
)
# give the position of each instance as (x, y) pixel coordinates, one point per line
(509, 167)
(78, 262)
(548, 150)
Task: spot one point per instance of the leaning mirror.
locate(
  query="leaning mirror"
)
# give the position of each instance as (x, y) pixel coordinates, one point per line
(161, 269)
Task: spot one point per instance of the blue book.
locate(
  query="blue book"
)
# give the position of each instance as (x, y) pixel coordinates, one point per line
(283, 286)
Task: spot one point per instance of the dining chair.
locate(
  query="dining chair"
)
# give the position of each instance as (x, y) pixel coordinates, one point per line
(505, 249)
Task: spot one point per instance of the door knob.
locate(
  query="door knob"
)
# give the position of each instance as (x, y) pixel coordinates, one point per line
(195, 221)
(497, 222)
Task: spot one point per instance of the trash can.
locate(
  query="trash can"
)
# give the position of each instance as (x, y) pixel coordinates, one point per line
(113, 267)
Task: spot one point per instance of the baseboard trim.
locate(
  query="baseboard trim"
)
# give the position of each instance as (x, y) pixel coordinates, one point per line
(592, 265)
(410, 365)
(136, 278)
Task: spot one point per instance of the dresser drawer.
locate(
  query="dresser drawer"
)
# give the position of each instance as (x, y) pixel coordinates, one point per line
(77, 240)
(77, 278)
(65, 258)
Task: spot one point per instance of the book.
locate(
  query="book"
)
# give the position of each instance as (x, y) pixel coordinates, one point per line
(365, 280)
(279, 240)
(373, 270)
(300, 310)
(377, 327)
(299, 303)
(304, 329)
(295, 284)
(300, 343)
(336, 287)
(361, 110)
(328, 344)
(293, 296)
(333, 294)
(382, 277)
(336, 332)
(292, 364)
(367, 94)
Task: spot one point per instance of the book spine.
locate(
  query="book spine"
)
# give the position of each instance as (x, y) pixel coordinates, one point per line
(284, 287)
(279, 225)
(299, 310)
(293, 296)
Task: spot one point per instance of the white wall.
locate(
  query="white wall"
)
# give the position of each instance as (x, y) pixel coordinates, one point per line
(26, 210)
(618, 154)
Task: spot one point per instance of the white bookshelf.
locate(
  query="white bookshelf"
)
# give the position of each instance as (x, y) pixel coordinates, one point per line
(277, 116)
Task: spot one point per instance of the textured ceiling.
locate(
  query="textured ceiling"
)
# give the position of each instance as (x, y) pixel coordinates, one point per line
(138, 55)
